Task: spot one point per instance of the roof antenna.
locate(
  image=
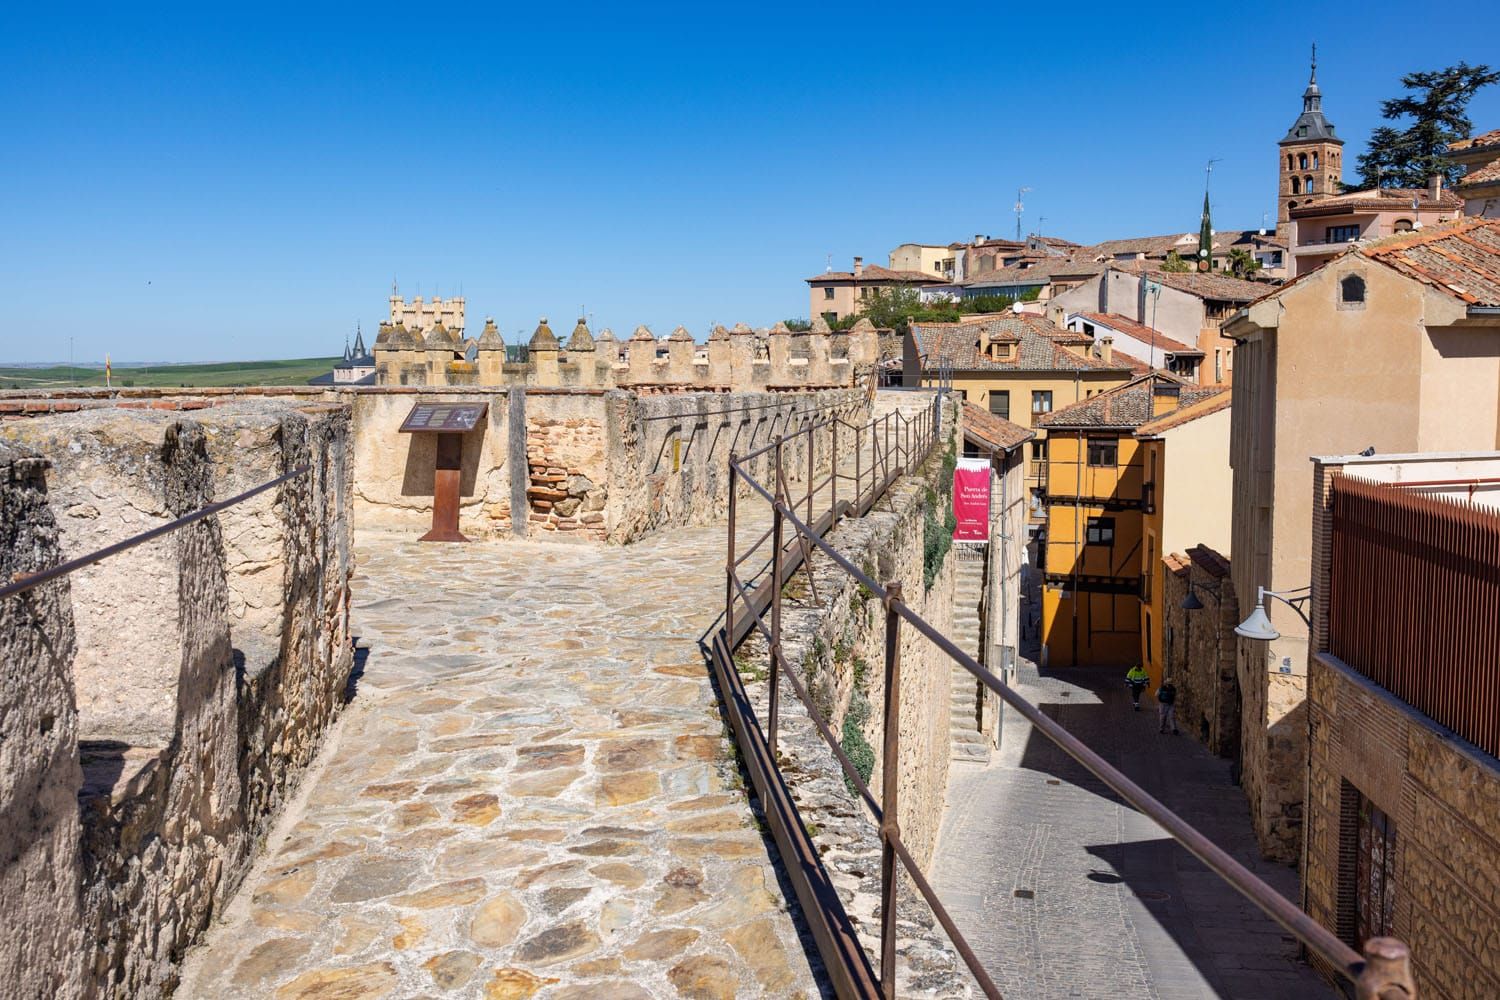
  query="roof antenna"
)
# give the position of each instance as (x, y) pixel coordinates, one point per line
(1312, 80)
(828, 266)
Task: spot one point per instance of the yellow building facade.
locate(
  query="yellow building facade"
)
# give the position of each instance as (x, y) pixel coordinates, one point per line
(1185, 462)
(1019, 367)
(1107, 517)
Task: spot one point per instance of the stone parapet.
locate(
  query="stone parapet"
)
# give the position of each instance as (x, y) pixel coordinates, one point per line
(207, 664)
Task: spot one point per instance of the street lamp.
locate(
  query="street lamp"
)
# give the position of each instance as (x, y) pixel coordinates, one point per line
(1257, 625)
(1191, 602)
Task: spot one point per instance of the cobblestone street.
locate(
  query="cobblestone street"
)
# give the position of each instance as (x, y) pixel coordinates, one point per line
(1066, 892)
(531, 794)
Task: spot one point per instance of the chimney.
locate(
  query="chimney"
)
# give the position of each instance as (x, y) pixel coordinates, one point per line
(1106, 349)
(978, 238)
(859, 266)
(1434, 187)
(1164, 397)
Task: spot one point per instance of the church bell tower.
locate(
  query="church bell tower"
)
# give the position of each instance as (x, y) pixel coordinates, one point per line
(1311, 161)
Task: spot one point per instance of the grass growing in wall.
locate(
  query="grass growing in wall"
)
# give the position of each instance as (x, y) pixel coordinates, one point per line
(858, 749)
(937, 529)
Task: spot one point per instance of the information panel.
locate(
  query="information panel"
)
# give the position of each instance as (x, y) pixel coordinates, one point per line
(446, 418)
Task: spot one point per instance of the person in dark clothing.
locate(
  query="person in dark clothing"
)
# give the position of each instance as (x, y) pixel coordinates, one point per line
(1166, 707)
(1136, 680)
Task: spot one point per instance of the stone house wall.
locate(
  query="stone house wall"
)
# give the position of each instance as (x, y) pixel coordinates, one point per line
(1199, 648)
(204, 694)
(1442, 795)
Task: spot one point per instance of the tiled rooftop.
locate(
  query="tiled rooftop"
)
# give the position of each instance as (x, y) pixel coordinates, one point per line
(1490, 138)
(1141, 332)
(876, 273)
(1128, 406)
(1040, 346)
(1204, 284)
(1461, 258)
(994, 431)
(1381, 200)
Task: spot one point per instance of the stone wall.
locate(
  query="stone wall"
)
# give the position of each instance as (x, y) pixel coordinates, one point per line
(41, 953)
(208, 662)
(836, 642)
(669, 454)
(1199, 645)
(600, 465)
(1442, 796)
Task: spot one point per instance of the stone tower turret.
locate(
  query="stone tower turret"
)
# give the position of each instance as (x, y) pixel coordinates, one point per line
(1311, 156)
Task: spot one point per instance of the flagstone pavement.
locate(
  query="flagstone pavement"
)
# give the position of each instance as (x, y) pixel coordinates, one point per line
(530, 794)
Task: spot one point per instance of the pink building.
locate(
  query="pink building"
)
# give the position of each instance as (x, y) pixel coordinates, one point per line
(1325, 228)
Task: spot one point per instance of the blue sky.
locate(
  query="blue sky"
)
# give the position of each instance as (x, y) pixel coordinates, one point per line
(247, 185)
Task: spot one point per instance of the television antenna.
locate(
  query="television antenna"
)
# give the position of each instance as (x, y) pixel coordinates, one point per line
(1020, 207)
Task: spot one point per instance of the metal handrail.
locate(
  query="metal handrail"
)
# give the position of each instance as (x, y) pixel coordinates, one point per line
(1385, 964)
(26, 581)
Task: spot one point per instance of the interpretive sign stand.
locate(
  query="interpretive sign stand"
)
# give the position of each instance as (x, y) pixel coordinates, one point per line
(450, 422)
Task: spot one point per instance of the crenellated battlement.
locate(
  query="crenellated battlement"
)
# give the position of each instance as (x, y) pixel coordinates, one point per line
(733, 360)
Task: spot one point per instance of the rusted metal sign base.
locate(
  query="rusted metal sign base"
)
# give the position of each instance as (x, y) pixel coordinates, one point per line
(445, 481)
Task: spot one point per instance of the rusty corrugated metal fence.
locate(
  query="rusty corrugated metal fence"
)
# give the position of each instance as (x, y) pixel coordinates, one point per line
(1414, 601)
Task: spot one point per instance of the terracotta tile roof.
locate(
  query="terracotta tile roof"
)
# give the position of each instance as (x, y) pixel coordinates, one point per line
(874, 274)
(1490, 138)
(1205, 558)
(1217, 400)
(1487, 174)
(1186, 244)
(1127, 406)
(1041, 346)
(996, 432)
(1381, 200)
(1141, 332)
(1461, 258)
(1039, 273)
(1204, 284)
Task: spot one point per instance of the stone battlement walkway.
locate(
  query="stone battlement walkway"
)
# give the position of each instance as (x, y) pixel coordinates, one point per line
(532, 794)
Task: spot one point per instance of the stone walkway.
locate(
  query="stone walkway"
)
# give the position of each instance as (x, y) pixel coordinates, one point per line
(531, 794)
(1065, 892)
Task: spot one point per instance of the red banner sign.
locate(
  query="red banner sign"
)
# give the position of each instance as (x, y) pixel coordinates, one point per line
(971, 500)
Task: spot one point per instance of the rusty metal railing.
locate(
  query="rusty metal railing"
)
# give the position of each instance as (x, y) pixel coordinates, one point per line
(1414, 600)
(1382, 972)
(24, 582)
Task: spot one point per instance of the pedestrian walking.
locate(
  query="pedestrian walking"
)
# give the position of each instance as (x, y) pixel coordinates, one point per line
(1136, 680)
(1166, 707)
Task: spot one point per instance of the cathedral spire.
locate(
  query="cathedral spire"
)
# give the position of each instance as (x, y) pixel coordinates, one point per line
(1206, 229)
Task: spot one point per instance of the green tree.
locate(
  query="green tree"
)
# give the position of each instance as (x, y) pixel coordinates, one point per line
(798, 325)
(1175, 263)
(1241, 263)
(1436, 104)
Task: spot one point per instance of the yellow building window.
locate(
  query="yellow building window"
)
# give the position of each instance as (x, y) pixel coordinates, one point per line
(1103, 453)
(1101, 531)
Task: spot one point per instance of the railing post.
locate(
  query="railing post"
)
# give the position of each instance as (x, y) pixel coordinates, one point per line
(729, 566)
(890, 830)
(859, 461)
(774, 711)
(1387, 972)
(812, 475)
(833, 467)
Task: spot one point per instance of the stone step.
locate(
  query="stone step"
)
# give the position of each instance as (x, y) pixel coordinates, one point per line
(978, 753)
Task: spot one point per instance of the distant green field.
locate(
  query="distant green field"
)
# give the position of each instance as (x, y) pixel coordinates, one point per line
(295, 371)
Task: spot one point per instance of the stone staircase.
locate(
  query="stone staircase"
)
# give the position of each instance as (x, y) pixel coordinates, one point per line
(969, 742)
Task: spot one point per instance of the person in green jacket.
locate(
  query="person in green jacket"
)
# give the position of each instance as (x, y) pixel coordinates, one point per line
(1136, 680)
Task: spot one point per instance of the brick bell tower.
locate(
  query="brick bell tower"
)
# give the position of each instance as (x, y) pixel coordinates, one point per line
(1311, 155)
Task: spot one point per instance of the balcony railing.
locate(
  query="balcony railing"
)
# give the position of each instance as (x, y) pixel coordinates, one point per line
(1414, 602)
